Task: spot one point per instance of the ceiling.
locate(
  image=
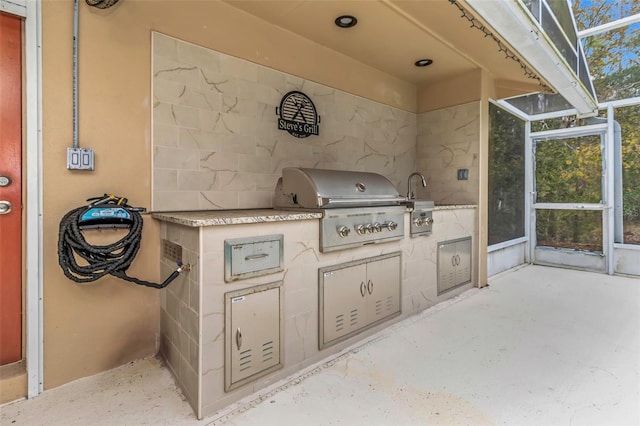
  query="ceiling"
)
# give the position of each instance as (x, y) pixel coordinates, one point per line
(392, 34)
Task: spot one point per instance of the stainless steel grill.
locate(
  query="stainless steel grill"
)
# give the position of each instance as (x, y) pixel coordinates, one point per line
(359, 207)
(324, 189)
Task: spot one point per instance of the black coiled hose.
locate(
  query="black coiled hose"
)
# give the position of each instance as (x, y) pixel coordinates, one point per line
(111, 259)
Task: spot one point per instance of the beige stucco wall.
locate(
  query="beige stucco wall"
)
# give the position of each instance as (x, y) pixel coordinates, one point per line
(94, 327)
(455, 90)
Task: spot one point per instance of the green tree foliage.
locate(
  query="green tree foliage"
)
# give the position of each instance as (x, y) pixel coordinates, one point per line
(614, 57)
(569, 171)
(566, 169)
(629, 119)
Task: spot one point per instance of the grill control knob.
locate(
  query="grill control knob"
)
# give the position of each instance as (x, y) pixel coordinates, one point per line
(360, 229)
(343, 231)
(423, 221)
(377, 227)
(368, 228)
(392, 226)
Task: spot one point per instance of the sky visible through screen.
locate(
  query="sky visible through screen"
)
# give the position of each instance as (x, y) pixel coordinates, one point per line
(617, 55)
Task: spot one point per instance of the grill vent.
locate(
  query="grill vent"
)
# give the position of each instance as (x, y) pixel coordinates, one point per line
(171, 251)
(389, 303)
(267, 351)
(354, 317)
(339, 322)
(245, 360)
(378, 307)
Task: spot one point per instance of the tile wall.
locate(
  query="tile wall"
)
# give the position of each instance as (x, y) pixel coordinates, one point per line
(447, 140)
(180, 312)
(215, 139)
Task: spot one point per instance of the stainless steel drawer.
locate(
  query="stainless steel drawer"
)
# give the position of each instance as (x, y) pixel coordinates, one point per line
(253, 256)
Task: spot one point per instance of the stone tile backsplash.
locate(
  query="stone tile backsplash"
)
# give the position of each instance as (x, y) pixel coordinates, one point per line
(448, 140)
(215, 139)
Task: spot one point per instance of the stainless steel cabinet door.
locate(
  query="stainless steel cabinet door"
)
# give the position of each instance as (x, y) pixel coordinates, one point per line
(454, 263)
(344, 297)
(446, 266)
(383, 288)
(254, 333)
(463, 267)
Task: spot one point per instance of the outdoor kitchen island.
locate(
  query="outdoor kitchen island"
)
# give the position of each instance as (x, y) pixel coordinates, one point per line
(229, 329)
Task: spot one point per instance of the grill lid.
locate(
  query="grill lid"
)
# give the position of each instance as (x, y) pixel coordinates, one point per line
(321, 188)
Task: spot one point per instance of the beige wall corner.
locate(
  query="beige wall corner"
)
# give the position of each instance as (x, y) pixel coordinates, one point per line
(456, 90)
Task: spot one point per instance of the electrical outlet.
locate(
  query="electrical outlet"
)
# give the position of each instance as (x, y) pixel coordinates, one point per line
(463, 174)
(79, 159)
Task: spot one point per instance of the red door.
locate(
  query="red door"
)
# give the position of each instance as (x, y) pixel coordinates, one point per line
(10, 189)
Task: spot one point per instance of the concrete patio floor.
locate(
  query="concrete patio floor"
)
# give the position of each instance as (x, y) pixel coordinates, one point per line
(538, 346)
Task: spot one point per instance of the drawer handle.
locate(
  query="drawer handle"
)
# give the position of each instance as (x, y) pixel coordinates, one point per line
(362, 289)
(238, 338)
(370, 286)
(256, 256)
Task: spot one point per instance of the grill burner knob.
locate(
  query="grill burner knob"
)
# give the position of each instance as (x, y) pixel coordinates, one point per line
(343, 231)
(391, 226)
(429, 221)
(368, 228)
(360, 229)
(377, 227)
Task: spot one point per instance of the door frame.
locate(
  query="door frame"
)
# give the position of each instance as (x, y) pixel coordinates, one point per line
(31, 12)
(572, 258)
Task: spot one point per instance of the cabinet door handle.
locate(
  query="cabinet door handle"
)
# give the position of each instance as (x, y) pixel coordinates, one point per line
(457, 259)
(362, 288)
(238, 338)
(453, 261)
(370, 286)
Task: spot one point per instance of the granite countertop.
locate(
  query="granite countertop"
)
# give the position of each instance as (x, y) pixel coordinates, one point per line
(244, 216)
(233, 217)
(454, 206)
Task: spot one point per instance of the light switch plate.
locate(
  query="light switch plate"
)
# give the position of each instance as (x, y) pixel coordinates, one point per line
(79, 159)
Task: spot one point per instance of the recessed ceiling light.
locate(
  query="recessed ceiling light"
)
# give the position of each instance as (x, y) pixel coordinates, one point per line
(423, 62)
(346, 21)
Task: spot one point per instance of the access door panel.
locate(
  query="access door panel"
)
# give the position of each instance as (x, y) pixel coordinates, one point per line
(345, 305)
(254, 333)
(383, 288)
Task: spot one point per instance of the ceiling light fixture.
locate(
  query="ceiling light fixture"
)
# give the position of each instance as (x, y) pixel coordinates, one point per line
(346, 21)
(423, 62)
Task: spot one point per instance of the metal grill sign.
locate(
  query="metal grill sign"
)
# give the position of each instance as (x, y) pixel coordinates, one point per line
(297, 115)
